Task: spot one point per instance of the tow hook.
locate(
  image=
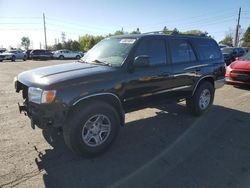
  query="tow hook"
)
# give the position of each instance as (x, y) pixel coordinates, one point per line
(22, 109)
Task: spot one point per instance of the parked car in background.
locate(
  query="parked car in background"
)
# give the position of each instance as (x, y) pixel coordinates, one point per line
(28, 53)
(41, 54)
(13, 55)
(81, 53)
(231, 53)
(66, 54)
(2, 50)
(238, 72)
(246, 49)
(223, 46)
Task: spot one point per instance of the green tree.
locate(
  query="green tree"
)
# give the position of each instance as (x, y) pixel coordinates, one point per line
(137, 31)
(175, 31)
(246, 38)
(25, 42)
(119, 32)
(195, 32)
(88, 41)
(228, 40)
(75, 46)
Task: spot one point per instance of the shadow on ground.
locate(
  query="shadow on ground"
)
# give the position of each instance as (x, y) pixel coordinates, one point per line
(171, 149)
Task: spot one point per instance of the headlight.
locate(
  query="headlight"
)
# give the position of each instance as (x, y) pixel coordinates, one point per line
(229, 69)
(39, 96)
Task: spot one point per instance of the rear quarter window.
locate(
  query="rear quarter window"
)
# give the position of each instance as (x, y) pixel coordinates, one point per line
(207, 49)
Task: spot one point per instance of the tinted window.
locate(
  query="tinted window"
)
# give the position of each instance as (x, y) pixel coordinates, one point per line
(208, 49)
(181, 51)
(153, 48)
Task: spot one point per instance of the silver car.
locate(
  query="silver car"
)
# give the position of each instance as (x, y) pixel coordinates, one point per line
(13, 55)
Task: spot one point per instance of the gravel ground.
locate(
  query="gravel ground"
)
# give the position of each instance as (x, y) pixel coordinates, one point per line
(159, 147)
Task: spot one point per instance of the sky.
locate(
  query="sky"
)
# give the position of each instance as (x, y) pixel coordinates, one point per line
(79, 17)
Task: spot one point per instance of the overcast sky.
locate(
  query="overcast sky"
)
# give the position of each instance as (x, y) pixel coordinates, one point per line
(80, 17)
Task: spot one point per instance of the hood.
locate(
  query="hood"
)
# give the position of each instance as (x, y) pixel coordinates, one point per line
(239, 64)
(46, 76)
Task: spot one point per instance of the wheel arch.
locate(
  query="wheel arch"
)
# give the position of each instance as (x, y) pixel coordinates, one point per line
(108, 98)
(208, 78)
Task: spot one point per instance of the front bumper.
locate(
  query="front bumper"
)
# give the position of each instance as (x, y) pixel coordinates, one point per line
(219, 83)
(229, 80)
(41, 115)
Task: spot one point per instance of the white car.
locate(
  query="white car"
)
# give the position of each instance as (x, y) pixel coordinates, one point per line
(66, 54)
(13, 55)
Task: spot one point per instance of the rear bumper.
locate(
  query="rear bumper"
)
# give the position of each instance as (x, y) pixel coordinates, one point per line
(219, 83)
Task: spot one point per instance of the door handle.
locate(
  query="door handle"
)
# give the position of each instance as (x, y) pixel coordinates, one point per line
(198, 70)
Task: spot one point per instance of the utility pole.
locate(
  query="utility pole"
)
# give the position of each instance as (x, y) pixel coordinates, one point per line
(44, 28)
(236, 39)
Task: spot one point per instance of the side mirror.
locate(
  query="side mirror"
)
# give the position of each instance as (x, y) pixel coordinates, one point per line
(237, 58)
(141, 61)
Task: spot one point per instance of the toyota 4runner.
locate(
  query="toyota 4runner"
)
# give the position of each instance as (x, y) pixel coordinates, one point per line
(88, 99)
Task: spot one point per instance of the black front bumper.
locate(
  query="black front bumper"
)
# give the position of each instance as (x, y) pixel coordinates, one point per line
(41, 115)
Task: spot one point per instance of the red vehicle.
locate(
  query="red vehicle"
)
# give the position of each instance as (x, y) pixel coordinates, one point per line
(238, 72)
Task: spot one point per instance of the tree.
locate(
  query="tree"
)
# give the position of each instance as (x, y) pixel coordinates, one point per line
(137, 31)
(175, 31)
(195, 32)
(228, 40)
(88, 41)
(246, 38)
(25, 42)
(119, 32)
(75, 46)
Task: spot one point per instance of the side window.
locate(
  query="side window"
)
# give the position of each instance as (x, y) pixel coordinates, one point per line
(207, 49)
(181, 51)
(155, 49)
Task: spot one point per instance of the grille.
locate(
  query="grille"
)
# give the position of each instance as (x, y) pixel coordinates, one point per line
(240, 75)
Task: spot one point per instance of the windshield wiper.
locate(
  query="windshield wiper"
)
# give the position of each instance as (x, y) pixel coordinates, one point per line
(101, 62)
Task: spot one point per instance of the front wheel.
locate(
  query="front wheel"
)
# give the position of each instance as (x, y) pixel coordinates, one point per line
(202, 99)
(13, 58)
(92, 129)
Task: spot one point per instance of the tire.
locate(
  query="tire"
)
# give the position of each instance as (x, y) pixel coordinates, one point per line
(61, 57)
(13, 58)
(202, 99)
(82, 132)
(78, 57)
(24, 58)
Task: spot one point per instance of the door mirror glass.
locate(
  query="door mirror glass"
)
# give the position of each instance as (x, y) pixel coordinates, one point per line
(141, 61)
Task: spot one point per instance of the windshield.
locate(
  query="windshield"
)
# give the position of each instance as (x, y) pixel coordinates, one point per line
(246, 57)
(110, 51)
(227, 50)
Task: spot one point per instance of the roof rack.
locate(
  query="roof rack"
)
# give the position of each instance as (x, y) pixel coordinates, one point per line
(154, 32)
(162, 32)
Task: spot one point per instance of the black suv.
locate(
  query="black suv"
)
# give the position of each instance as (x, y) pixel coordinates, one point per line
(41, 54)
(87, 99)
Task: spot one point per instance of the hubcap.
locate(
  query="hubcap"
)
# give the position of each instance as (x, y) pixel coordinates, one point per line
(96, 130)
(205, 98)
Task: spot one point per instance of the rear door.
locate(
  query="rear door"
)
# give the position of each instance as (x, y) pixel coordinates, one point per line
(184, 65)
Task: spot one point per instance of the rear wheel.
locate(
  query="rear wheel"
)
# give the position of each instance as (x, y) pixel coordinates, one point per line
(78, 57)
(92, 129)
(61, 57)
(202, 99)
(24, 58)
